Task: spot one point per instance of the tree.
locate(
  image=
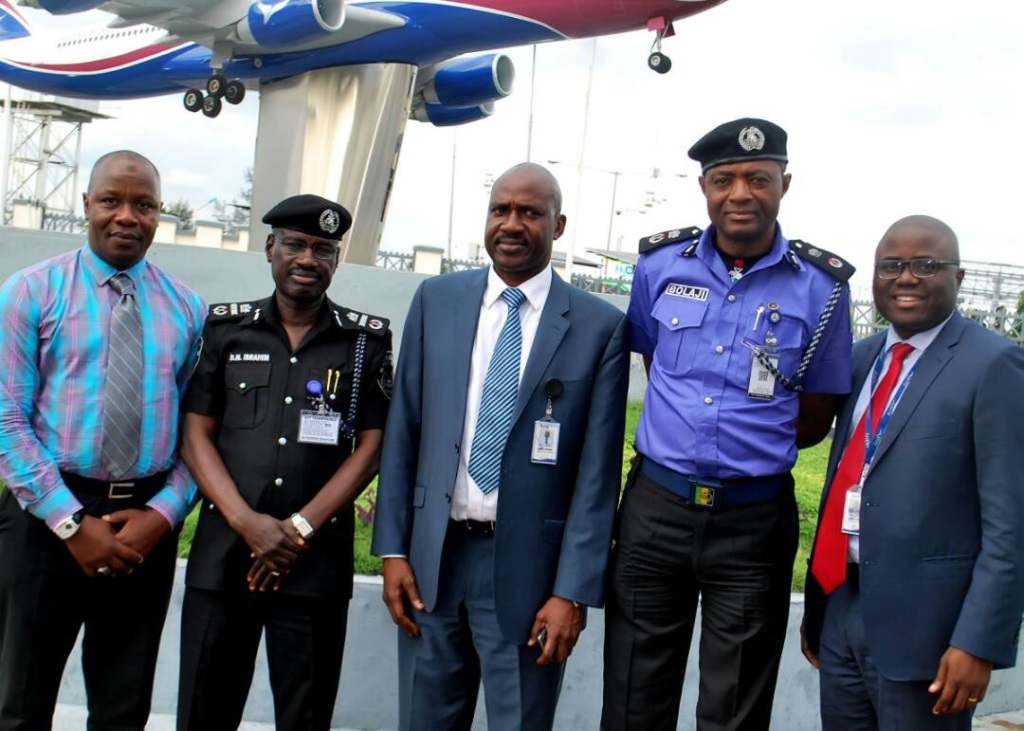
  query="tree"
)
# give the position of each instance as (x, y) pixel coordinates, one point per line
(182, 210)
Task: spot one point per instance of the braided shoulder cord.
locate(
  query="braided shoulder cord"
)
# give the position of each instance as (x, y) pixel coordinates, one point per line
(349, 427)
(794, 384)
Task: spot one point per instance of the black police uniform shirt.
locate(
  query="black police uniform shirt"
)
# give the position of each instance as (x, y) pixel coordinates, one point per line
(251, 382)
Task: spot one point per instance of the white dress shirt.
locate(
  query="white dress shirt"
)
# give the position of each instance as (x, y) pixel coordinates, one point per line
(468, 501)
(920, 343)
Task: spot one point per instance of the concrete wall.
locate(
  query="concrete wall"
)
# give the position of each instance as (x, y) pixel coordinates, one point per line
(367, 694)
(367, 699)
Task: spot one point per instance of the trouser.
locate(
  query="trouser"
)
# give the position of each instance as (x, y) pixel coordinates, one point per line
(460, 643)
(46, 599)
(854, 695)
(220, 635)
(739, 563)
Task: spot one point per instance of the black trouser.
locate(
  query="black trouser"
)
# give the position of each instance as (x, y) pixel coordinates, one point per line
(45, 599)
(739, 562)
(220, 634)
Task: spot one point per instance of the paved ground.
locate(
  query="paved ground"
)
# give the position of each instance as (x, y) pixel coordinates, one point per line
(72, 718)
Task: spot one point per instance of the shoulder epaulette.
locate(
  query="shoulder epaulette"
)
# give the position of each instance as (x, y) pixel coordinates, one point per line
(352, 320)
(229, 311)
(673, 236)
(826, 260)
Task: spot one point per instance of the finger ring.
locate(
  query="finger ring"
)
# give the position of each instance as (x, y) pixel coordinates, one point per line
(104, 571)
(275, 573)
(972, 700)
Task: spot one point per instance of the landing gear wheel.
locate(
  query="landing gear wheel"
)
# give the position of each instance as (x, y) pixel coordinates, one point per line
(659, 62)
(212, 106)
(215, 85)
(234, 91)
(193, 100)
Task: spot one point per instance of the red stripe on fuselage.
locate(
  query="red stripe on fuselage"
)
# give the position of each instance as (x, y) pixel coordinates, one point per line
(106, 64)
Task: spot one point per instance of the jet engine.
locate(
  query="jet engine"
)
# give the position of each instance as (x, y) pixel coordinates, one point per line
(441, 116)
(288, 23)
(469, 81)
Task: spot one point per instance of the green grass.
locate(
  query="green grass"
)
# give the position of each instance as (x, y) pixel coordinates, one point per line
(809, 474)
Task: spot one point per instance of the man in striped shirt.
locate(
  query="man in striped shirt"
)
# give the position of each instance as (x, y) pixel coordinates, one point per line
(87, 539)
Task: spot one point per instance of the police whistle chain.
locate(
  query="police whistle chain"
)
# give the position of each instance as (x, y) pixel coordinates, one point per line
(794, 384)
(350, 423)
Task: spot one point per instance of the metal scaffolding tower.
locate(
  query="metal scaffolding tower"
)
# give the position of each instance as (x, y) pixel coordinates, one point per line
(988, 286)
(42, 151)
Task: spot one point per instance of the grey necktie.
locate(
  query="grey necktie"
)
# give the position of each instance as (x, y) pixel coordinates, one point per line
(122, 403)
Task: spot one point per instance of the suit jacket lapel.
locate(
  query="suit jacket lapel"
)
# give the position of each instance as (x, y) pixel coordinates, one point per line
(550, 331)
(927, 370)
(464, 316)
(863, 360)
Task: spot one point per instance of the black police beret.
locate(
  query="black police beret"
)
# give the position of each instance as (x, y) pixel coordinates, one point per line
(739, 140)
(310, 214)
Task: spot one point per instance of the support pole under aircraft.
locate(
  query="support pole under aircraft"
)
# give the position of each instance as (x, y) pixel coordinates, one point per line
(336, 133)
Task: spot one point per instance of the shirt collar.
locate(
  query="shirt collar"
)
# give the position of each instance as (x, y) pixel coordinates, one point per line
(709, 255)
(536, 288)
(101, 272)
(919, 341)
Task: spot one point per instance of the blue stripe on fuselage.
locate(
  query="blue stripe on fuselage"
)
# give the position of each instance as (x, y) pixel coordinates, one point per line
(432, 33)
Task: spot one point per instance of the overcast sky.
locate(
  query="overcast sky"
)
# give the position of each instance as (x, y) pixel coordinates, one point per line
(892, 108)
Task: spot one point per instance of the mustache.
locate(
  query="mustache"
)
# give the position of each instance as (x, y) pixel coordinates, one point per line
(304, 270)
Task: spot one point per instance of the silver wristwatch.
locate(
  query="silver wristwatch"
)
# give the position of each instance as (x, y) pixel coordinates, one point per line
(302, 526)
(69, 526)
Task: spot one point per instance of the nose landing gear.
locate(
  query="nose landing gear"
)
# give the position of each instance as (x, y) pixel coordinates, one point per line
(658, 61)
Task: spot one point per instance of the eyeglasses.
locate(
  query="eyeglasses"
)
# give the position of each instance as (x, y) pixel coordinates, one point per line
(295, 247)
(920, 268)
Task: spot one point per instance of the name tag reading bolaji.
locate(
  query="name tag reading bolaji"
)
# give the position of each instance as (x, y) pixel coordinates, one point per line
(317, 428)
(545, 441)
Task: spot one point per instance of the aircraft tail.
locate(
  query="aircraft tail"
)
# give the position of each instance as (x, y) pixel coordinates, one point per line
(12, 23)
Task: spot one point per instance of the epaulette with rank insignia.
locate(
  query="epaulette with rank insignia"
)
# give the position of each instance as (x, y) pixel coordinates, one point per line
(673, 236)
(228, 311)
(834, 265)
(352, 320)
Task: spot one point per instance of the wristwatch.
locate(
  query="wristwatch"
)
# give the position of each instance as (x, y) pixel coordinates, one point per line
(69, 526)
(302, 526)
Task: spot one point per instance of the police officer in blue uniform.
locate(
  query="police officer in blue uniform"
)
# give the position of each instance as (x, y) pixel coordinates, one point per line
(747, 342)
(283, 427)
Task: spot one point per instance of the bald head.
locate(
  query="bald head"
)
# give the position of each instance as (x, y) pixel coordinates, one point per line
(943, 235)
(133, 162)
(541, 177)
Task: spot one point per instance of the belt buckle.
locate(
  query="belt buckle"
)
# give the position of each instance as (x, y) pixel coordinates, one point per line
(115, 490)
(704, 491)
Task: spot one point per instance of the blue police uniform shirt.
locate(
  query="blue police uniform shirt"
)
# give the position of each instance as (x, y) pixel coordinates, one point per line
(691, 319)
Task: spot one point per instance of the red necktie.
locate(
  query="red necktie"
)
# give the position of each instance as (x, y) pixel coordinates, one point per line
(830, 547)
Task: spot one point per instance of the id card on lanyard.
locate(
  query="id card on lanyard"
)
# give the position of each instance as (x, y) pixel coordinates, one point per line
(851, 505)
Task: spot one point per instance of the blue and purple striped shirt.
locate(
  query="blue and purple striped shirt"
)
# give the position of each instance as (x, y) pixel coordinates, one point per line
(55, 318)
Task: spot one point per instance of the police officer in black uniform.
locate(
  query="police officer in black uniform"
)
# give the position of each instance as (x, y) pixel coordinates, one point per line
(284, 421)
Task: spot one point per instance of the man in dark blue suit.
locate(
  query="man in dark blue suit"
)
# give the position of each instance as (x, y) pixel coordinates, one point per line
(500, 473)
(917, 577)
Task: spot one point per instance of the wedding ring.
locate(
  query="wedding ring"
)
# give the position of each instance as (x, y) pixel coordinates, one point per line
(105, 571)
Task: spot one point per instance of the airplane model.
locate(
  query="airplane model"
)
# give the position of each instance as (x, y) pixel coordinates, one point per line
(381, 61)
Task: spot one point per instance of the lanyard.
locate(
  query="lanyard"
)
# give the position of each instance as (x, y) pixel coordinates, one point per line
(871, 440)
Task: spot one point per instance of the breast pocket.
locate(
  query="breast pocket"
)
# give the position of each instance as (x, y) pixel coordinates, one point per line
(247, 394)
(678, 332)
(791, 336)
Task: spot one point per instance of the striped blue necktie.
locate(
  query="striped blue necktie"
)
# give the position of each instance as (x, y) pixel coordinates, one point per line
(501, 385)
(122, 399)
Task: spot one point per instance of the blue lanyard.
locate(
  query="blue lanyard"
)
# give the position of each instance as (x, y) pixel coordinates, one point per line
(872, 440)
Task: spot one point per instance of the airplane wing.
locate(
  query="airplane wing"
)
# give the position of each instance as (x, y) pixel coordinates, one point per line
(243, 26)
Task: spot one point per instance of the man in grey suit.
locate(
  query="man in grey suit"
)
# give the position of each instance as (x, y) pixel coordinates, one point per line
(916, 585)
(500, 472)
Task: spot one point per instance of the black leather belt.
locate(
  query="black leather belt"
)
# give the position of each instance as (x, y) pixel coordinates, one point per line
(473, 527)
(138, 488)
(708, 494)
